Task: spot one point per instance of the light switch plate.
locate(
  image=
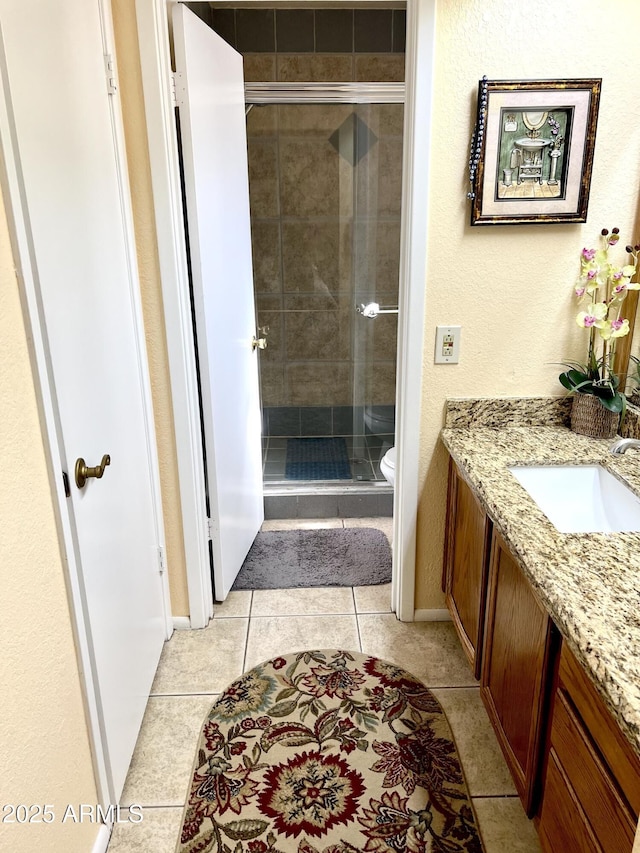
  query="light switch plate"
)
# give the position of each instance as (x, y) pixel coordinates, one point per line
(447, 345)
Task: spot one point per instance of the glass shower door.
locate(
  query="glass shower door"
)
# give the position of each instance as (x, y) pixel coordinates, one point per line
(325, 185)
(376, 248)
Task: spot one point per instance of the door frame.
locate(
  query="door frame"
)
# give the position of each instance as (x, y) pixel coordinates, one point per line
(153, 27)
(12, 184)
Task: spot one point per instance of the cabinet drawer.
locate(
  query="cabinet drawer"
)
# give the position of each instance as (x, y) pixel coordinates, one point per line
(608, 814)
(604, 732)
(563, 824)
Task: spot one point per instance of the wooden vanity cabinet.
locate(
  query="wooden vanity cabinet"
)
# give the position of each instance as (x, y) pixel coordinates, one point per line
(520, 645)
(573, 768)
(466, 561)
(591, 796)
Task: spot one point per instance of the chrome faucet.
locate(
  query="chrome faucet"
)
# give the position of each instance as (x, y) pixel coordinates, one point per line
(622, 445)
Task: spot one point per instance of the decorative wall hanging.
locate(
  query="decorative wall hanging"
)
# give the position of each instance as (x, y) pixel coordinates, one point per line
(532, 151)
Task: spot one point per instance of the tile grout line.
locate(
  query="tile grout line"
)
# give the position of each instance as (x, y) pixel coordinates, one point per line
(301, 615)
(357, 624)
(246, 637)
(494, 797)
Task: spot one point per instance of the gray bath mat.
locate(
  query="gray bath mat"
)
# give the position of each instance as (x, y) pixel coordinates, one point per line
(280, 559)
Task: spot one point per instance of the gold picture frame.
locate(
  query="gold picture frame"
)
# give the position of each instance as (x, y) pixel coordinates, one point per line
(532, 151)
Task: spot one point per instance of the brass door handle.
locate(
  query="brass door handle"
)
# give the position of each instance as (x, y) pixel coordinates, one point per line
(83, 473)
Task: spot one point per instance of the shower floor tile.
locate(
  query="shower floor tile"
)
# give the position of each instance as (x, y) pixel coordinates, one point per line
(364, 457)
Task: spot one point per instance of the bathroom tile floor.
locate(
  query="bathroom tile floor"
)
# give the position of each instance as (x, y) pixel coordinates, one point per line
(253, 626)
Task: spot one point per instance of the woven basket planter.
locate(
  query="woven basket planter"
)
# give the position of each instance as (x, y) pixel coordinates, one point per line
(589, 417)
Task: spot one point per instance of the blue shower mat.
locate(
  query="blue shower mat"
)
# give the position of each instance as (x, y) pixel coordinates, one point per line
(317, 459)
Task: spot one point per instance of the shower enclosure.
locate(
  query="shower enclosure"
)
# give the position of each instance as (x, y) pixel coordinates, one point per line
(325, 174)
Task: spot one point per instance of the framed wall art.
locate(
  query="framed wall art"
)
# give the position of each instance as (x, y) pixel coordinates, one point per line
(532, 151)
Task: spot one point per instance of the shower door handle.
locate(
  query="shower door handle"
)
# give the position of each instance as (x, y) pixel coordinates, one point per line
(372, 309)
(261, 342)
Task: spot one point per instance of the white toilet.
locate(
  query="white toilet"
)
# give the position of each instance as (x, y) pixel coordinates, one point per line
(388, 466)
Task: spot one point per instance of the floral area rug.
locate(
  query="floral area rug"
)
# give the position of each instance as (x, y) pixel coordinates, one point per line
(327, 752)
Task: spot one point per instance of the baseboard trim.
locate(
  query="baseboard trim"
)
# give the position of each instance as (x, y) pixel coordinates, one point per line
(181, 623)
(102, 841)
(442, 615)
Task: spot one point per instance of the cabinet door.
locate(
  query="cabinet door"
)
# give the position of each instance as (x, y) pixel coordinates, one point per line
(468, 538)
(592, 774)
(519, 642)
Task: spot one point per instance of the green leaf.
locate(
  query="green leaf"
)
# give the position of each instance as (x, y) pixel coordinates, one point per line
(613, 404)
(325, 723)
(283, 709)
(286, 693)
(243, 830)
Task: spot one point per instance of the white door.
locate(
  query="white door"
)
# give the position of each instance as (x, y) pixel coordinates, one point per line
(210, 91)
(76, 211)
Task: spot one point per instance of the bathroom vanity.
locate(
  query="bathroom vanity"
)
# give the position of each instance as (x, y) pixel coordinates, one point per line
(550, 622)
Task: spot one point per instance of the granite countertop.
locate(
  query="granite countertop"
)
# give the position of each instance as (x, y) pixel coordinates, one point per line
(589, 583)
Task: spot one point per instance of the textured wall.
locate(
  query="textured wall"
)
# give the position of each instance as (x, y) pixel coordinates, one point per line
(130, 82)
(42, 723)
(510, 286)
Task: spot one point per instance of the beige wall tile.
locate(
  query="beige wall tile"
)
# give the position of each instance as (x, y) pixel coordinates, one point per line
(274, 353)
(262, 121)
(278, 635)
(383, 119)
(314, 68)
(312, 119)
(385, 338)
(326, 384)
(259, 67)
(380, 179)
(485, 769)
(263, 179)
(316, 256)
(383, 379)
(318, 301)
(309, 178)
(268, 302)
(504, 826)
(267, 263)
(316, 601)
(272, 385)
(429, 650)
(377, 259)
(377, 68)
(318, 335)
(387, 272)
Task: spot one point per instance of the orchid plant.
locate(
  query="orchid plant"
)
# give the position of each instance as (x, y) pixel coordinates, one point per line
(603, 287)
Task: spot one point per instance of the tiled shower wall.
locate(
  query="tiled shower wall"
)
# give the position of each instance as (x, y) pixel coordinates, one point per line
(325, 187)
(326, 237)
(313, 44)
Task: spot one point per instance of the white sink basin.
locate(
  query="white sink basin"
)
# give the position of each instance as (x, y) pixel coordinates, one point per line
(581, 498)
(532, 144)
